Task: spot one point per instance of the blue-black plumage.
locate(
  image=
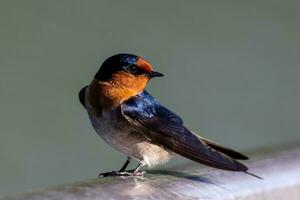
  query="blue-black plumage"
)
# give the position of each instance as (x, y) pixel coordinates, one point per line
(128, 118)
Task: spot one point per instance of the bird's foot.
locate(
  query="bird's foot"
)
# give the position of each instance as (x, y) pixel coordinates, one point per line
(119, 173)
(136, 173)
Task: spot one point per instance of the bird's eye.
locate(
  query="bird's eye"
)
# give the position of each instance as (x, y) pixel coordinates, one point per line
(133, 68)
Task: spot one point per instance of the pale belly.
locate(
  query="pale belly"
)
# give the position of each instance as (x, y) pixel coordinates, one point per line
(114, 129)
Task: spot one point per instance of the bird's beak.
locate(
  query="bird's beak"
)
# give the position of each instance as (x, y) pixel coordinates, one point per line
(154, 74)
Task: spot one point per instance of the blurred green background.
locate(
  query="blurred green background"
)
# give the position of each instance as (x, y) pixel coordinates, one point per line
(232, 72)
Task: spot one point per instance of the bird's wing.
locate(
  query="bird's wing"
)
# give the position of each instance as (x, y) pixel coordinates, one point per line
(164, 127)
(82, 96)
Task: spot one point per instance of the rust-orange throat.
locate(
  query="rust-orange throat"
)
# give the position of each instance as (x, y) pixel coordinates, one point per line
(110, 94)
(119, 78)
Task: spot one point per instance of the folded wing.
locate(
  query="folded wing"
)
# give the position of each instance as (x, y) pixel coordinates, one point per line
(81, 95)
(164, 127)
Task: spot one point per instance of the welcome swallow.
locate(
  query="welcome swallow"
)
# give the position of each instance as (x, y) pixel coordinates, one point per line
(128, 118)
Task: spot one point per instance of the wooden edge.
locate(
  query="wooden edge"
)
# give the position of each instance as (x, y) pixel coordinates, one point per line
(280, 173)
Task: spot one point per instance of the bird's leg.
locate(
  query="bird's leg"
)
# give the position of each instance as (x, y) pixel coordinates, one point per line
(121, 172)
(135, 172)
(125, 165)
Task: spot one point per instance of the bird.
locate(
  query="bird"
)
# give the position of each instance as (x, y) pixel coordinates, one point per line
(135, 123)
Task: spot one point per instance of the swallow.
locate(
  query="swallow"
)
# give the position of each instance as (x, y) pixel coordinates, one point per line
(132, 121)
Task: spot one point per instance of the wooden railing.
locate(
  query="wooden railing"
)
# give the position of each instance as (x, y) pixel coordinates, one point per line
(280, 172)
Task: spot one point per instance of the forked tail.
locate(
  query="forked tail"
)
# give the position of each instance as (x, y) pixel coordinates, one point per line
(249, 173)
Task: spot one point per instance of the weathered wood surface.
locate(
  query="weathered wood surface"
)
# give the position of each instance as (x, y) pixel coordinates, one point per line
(281, 173)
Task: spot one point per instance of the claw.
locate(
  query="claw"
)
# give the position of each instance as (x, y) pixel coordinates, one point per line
(119, 173)
(138, 173)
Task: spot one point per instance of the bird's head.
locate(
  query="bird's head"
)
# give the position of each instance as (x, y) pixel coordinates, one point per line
(123, 75)
(127, 70)
(131, 66)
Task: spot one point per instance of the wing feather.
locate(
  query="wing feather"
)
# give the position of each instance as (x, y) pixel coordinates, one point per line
(164, 127)
(82, 96)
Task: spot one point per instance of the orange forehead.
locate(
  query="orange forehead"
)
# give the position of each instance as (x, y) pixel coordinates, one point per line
(144, 64)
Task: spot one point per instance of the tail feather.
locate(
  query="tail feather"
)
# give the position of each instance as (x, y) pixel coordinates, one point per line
(196, 149)
(254, 175)
(229, 152)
